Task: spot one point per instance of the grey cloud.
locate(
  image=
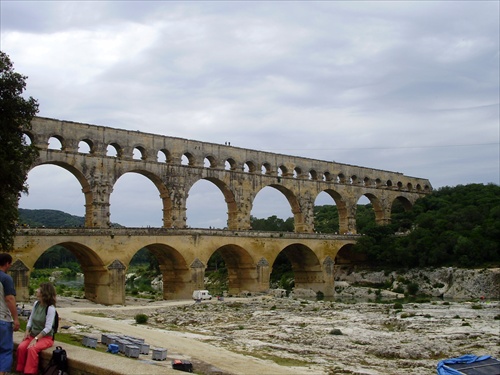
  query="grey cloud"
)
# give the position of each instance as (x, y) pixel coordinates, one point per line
(391, 85)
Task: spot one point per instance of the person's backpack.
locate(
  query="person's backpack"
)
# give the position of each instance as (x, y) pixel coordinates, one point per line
(58, 364)
(55, 325)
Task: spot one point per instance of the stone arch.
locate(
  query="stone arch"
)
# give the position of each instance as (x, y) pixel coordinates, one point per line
(96, 278)
(241, 268)
(266, 168)
(342, 210)
(118, 149)
(164, 154)
(378, 208)
(175, 271)
(229, 198)
(405, 202)
(164, 193)
(84, 183)
(297, 172)
(233, 165)
(282, 171)
(190, 159)
(210, 162)
(32, 137)
(293, 201)
(143, 153)
(60, 139)
(89, 143)
(347, 258)
(249, 167)
(306, 267)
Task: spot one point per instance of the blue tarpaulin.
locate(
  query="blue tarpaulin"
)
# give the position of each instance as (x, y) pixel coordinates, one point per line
(443, 367)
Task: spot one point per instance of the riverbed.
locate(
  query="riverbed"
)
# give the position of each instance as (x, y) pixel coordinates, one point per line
(304, 336)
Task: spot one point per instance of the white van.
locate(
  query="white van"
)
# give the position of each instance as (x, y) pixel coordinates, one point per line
(199, 295)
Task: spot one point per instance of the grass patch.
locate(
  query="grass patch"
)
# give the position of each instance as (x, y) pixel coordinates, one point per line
(276, 359)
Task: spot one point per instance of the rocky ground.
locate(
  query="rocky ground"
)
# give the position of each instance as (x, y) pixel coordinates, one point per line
(315, 337)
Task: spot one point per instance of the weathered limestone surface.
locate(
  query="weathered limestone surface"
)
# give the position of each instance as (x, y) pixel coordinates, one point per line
(447, 282)
(310, 337)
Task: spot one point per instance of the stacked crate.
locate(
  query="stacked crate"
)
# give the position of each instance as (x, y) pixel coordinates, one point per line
(132, 346)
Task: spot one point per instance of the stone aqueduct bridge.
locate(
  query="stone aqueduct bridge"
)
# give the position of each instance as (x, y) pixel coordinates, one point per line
(105, 253)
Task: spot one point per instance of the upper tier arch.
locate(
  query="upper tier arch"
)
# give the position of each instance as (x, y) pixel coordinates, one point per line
(298, 178)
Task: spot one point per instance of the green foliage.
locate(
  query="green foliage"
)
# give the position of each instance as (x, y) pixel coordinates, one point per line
(412, 288)
(457, 226)
(57, 256)
(218, 281)
(282, 275)
(145, 258)
(326, 219)
(16, 156)
(398, 306)
(272, 223)
(51, 219)
(141, 318)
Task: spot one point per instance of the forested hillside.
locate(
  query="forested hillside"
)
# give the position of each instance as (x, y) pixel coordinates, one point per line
(49, 218)
(454, 226)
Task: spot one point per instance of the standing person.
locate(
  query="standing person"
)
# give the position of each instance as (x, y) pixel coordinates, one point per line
(9, 321)
(39, 331)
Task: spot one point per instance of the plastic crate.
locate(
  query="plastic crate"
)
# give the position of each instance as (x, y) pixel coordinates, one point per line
(159, 354)
(132, 351)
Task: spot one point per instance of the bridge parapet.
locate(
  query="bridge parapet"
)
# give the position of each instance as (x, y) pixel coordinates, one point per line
(130, 231)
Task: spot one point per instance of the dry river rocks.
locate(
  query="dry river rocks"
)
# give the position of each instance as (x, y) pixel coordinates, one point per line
(325, 337)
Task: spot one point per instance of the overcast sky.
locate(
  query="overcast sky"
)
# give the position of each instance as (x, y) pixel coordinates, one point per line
(404, 86)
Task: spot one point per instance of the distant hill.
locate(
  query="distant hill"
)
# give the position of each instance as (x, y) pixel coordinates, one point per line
(51, 218)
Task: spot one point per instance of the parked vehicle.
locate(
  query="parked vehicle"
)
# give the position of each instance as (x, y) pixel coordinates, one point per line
(199, 295)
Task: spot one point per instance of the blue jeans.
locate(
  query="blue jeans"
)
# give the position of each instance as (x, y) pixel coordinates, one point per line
(6, 345)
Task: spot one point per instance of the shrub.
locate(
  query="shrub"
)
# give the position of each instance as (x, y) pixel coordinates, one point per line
(412, 288)
(141, 318)
(398, 306)
(399, 289)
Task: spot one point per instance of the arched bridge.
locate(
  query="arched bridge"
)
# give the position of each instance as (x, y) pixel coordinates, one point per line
(183, 253)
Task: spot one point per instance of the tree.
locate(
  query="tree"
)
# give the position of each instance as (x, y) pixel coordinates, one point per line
(16, 156)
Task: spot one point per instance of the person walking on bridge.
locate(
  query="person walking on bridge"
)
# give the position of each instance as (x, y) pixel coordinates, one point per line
(9, 321)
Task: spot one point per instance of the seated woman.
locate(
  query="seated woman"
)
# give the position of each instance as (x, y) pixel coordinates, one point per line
(39, 333)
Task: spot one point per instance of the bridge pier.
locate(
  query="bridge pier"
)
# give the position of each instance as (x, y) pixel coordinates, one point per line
(105, 286)
(20, 275)
(176, 283)
(328, 277)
